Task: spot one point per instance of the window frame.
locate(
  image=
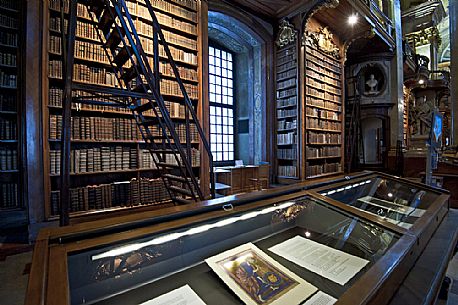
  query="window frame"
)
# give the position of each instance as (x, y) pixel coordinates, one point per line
(233, 107)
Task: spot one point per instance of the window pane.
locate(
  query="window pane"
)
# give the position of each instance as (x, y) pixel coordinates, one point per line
(222, 104)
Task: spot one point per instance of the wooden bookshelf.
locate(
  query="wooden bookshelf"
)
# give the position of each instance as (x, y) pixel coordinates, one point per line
(110, 165)
(11, 46)
(287, 107)
(323, 104)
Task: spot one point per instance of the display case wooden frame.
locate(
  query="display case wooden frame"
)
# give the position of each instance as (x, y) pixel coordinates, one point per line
(48, 282)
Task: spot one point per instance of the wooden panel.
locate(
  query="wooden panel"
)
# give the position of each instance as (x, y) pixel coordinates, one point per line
(57, 285)
(36, 287)
(422, 284)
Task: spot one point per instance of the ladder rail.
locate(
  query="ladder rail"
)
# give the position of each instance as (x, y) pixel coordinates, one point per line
(157, 96)
(116, 31)
(183, 90)
(148, 74)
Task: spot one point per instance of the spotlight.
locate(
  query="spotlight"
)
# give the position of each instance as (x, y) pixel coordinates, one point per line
(353, 19)
(421, 81)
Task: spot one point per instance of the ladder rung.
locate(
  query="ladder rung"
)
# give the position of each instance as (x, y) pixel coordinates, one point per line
(96, 6)
(168, 165)
(122, 56)
(107, 19)
(180, 190)
(162, 151)
(154, 121)
(144, 107)
(175, 178)
(139, 88)
(114, 38)
(129, 74)
(152, 138)
(182, 200)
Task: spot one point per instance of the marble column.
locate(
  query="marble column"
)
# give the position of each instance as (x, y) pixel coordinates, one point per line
(453, 13)
(397, 80)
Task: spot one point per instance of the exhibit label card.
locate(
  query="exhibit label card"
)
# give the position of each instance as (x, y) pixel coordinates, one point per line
(180, 296)
(258, 279)
(328, 262)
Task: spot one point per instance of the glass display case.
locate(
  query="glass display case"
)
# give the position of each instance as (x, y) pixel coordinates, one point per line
(99, 274)
(412, 206)
(301, 248)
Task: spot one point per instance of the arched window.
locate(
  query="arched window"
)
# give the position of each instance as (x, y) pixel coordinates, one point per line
(238, 82)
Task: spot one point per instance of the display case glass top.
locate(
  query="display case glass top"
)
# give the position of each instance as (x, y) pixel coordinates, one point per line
(394, 200)
(135, 270)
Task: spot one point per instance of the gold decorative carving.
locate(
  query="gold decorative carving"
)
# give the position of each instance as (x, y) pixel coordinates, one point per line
(424, 37)
(287, 34)
(323, 40)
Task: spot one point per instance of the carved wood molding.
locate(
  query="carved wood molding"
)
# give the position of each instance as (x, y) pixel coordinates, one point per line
(322, 4)
(322, 40)
(286, 34)
(369, 34)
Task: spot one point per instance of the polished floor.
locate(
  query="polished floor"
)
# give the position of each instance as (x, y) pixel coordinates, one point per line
(14, 274)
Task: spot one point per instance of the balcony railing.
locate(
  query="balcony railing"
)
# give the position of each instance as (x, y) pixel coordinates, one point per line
(380, 16)
(380, 22)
